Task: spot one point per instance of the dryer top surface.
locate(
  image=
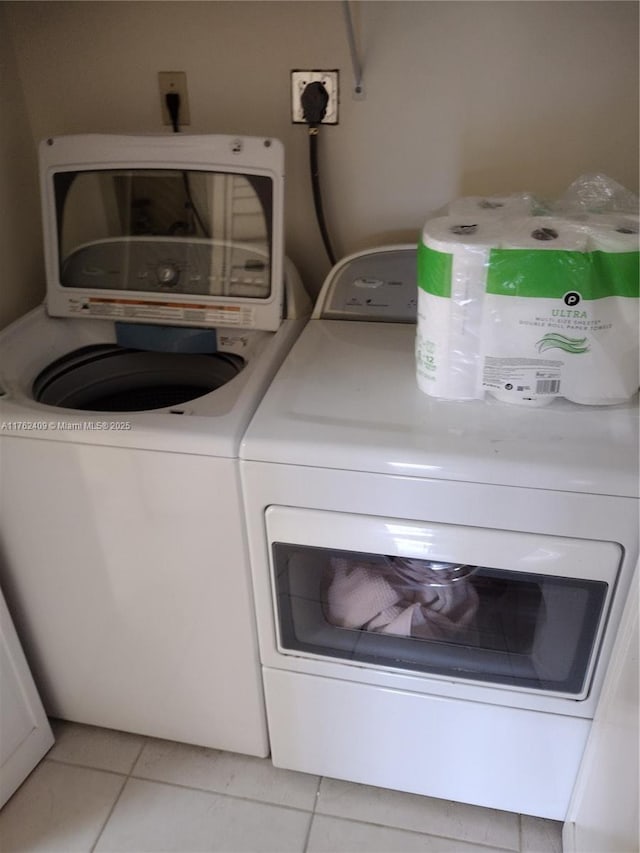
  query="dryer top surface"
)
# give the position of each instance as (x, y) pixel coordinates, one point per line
(347, 398)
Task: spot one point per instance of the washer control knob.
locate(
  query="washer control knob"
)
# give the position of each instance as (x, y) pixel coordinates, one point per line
(167, 274)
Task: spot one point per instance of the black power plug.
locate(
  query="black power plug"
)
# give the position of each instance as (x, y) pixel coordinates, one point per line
(314, 100)
(172, 100)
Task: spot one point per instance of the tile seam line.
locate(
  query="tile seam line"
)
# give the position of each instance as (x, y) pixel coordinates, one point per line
(125, 773)
(65, 763)
(117, 799)
(484, 845)
(313, 812)
(110, 813)
(316, 798)
(182, 786)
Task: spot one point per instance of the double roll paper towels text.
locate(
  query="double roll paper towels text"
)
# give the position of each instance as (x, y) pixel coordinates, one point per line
(528, 308)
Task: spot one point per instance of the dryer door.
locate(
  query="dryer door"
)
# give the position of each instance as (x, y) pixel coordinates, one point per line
(487, 606)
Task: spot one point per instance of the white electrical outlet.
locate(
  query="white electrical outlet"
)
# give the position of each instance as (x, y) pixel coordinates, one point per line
(299, 82)
(174, 81)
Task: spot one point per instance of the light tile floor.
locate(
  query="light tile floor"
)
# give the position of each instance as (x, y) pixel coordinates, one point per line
(104, 791)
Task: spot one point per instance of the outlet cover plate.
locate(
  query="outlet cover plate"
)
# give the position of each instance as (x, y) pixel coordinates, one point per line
(174, 81)
(300, 80)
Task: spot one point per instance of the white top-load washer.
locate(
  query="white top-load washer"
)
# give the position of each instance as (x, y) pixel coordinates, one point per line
(438, 584)
(123, 400)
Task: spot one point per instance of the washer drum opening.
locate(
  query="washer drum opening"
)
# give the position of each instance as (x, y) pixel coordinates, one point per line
(112, 378)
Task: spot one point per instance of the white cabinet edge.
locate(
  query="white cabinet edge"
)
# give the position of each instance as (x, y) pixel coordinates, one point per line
(602, 814)
(31, 739)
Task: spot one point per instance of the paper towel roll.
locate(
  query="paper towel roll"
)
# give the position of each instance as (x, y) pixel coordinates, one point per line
(448, 343)
(432, 344)
(612, 232)
(545, 232)
(608, 372)
(521, 304)
(500, 206)
(462, 235)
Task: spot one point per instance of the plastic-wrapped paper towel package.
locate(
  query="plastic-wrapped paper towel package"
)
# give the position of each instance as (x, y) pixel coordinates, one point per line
(529, 308)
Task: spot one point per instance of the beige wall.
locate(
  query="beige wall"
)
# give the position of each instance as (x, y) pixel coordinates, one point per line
(461, 97)
(20, 254)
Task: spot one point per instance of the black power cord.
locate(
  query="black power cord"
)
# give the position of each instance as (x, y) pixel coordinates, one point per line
(314, 100)
(172, 100)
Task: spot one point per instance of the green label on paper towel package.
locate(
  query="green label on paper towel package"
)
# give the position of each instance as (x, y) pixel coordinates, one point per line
(571, 330)
(617, 272)
(434, 271)
(547, 274)
(551, 274)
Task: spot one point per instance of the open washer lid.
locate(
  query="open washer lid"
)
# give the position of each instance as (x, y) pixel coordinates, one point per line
(176, 229)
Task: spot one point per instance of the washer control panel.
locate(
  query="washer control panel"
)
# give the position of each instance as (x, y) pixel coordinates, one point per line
(160, 265)
(380, 285)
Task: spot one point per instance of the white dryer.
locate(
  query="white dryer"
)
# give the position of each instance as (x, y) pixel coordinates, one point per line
(438, 584)
(123, 400)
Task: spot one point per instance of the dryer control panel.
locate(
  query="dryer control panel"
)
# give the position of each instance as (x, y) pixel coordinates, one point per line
(377, 285)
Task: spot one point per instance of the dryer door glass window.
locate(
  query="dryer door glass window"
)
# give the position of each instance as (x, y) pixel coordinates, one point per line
(165, 231)
(468, 622)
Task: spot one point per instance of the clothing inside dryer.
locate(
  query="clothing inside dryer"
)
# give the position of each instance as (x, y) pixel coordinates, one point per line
(474, 622)
(113, 378)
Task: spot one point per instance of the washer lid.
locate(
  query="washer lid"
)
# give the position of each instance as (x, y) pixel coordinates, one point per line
(180, 229)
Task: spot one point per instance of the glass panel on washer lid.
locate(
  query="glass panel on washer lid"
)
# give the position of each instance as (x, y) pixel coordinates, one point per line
(172, 229)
